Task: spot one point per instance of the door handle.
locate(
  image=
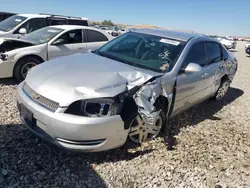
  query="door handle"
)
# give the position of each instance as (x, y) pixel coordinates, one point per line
(204, 75)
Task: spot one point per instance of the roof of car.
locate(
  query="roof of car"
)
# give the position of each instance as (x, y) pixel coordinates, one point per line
(47, 15)
(183, 36)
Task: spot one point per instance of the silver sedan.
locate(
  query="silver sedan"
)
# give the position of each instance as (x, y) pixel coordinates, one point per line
(127, 89)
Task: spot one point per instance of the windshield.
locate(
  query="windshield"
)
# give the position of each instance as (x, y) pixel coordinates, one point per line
(11, 22)
(43, 35)
(146, 51)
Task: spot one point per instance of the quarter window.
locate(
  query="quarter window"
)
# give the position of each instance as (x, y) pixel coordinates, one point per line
(213, 52)
(95, 36)
(197, 55)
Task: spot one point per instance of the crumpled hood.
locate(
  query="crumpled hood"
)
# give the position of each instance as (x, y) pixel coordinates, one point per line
(84, 76)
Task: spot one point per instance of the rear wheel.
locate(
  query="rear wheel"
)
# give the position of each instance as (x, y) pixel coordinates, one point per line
(222, 91)
(23, 66)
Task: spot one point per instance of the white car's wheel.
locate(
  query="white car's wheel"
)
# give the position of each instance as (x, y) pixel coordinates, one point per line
(23, 66)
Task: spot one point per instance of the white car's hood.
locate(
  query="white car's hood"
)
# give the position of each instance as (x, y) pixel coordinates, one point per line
(2, 32)
(84, 76)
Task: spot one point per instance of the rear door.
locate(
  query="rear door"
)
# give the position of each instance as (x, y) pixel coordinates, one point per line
(94, 39)
(192, 88)
(73, 43)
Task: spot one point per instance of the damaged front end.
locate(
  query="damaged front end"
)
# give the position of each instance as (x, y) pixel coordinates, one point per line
(7, 45)
(144, 109)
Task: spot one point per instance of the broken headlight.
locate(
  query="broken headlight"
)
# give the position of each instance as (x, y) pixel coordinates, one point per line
(4, 57)
(94, 108)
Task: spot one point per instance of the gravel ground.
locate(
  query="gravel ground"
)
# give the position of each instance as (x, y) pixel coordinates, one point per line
(211, 148)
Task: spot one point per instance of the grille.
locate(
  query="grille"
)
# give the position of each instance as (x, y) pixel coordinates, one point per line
(43, 101)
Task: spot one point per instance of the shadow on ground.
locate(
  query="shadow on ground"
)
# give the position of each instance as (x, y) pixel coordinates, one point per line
(8, 81)
(31, 162)
(197, 114)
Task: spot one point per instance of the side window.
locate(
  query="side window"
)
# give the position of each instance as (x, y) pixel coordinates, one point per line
(72, 37)
(225, 54)
(78, 22)
(213, 52)
(95, 36)
(56, 21)
(33, 24)
(197, 54)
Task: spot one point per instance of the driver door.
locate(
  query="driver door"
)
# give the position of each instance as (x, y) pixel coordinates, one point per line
(192, 87)
(72, 44)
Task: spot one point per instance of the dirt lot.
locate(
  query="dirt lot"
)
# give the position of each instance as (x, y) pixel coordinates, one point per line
(212, 147)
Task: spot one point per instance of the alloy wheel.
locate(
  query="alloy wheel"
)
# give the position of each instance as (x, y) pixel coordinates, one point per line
(25, 69)
(222, 90)
(141, 130)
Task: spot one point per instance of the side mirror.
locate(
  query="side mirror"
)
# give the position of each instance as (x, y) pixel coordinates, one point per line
(59, 42)
(193, 67)
(23, 31)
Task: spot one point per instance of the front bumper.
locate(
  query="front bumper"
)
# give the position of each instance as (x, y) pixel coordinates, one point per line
(73, 132)
(6, 68)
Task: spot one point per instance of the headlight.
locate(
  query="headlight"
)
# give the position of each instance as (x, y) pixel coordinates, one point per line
(94, 108)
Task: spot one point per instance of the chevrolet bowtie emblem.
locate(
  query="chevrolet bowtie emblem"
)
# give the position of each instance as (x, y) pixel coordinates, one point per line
(36, 97)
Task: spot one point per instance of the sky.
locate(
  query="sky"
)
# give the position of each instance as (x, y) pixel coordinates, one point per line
(218, 17)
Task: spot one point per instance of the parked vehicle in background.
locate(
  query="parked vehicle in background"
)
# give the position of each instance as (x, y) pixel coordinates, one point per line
(110, 30)
(229, 38)
(229, 44)
(248, 50)
(18, 56)
(5, 15)
(121, 30)
(126, 89)
(21, 24)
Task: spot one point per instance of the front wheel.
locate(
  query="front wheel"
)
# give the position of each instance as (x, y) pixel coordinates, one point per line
(143, 130)
(221, 92)
(23, 66)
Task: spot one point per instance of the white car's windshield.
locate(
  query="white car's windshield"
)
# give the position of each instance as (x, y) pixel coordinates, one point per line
(146, 51)
(43, 35)
(11, 22)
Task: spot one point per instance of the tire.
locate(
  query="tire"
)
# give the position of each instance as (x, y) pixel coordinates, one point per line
(20, 71)
(222, 90)
(141, 130)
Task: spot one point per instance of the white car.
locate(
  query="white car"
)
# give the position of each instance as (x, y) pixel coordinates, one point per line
(229, 44)
(20, 24)
(17, 56)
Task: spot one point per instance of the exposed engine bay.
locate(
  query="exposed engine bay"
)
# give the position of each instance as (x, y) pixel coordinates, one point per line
(8, 45)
